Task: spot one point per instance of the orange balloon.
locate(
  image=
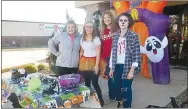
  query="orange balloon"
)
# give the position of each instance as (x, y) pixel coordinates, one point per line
(141, 29)
(121, 6)
(156, 6)
(144, 4)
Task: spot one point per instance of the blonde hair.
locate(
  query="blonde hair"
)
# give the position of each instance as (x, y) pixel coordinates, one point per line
(112, 14)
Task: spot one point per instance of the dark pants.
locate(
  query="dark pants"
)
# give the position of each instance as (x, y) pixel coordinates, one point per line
(65, 70)
(91, 76)
(121, 88)
(110, 81)
(126, 92)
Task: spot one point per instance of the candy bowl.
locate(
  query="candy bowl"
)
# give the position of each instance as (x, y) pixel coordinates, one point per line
(69, 80)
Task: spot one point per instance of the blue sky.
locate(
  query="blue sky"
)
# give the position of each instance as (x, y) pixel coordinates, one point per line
(42, 11)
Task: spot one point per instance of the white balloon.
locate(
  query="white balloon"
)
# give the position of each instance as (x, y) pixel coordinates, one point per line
(155, 54)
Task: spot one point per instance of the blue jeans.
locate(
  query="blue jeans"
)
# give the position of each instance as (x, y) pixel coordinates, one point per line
(110, 81)
(120, 89)
(126, 92)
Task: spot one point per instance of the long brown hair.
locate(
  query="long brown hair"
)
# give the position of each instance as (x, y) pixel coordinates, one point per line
(93, 33)
(103, 25)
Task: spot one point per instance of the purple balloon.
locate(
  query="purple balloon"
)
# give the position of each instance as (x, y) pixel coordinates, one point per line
(157, 25)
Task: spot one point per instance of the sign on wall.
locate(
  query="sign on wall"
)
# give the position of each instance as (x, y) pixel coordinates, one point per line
(50, 26)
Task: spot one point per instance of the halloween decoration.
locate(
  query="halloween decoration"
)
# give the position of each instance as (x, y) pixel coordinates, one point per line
(34, 84)
(152, 35)
(44, 91)
(67, 104)
(154, 48)
(69, 80)
(15, 77)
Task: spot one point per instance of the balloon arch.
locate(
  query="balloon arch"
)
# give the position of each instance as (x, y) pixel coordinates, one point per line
(151, 26)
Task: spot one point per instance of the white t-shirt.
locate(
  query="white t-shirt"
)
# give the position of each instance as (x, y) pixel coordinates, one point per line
(121, 50)
(121, 53)
(89, 47)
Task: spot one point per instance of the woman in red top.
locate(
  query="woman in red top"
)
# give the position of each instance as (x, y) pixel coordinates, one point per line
(106, 37)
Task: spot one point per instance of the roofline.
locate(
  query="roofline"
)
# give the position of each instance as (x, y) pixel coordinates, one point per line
(34, 22)
(170, 3)
(82, 4)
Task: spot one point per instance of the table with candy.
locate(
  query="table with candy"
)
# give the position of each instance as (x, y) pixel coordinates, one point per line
(43, 91)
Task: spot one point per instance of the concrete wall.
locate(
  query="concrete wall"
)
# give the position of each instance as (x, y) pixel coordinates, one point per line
(19, 28)
(23, 41)
(10, 28)
(28, 34)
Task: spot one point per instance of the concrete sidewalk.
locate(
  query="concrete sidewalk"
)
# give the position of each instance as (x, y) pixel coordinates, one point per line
(146, 93)
(24, 56)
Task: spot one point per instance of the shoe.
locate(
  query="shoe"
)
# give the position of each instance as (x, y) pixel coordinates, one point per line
(119, 105)
(101, 99)
(102, 103)
(15, 102)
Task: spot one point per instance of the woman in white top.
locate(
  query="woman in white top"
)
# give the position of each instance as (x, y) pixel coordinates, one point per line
(90, 58)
